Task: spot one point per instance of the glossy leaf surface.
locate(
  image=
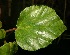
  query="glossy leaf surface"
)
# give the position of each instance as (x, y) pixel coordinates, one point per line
(37, 27)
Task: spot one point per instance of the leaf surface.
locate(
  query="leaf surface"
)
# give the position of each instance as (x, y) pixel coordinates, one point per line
(37, 27)
(8, 48)
(2, 33)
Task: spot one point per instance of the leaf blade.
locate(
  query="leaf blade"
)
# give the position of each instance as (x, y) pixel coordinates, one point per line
(37, 27)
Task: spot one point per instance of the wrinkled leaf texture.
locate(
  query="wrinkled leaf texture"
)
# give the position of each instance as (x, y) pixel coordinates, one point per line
(37, 27)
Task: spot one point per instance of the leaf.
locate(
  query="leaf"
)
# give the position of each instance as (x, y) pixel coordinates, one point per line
(37, 27)
(2, 33)
(8, 48)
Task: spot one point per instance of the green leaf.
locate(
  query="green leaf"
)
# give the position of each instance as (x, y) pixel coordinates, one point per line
(2, 33)
(8, 48)
(37, 27)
